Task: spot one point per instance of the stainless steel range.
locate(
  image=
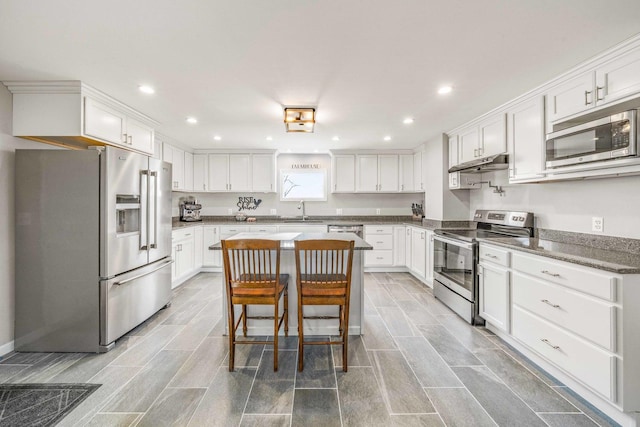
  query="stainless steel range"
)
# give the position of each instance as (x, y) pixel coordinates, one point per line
(455, 266)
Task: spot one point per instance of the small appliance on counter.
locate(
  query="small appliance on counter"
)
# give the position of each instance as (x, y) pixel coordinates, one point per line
(190, 210)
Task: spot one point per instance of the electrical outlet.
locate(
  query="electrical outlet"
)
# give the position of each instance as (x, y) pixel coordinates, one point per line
(339, 211)
(230, 211)
(272, 212)
(597, 224)
(378, 211)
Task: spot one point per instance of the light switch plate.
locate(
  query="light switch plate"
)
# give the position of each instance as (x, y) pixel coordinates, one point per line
(597, 224)
(272, 212)
(230, 211)
(338, 211)
(378, 211)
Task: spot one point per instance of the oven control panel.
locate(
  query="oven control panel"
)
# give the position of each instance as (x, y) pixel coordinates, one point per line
(518, 219)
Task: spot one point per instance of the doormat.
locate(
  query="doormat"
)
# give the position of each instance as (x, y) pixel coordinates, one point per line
(40, 405)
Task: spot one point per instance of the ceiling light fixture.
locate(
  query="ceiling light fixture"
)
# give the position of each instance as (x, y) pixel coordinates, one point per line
(146, 89)
(387, 138)
(269, 138)
(444, 90)
(217, 137)
(192, 120)
(299, 119)
(407, 121)
(335, 138)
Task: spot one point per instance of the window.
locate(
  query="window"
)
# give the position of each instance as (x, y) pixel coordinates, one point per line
(298, 185)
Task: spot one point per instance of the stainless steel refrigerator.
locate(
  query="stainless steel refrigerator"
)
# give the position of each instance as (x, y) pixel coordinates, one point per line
(93, 246)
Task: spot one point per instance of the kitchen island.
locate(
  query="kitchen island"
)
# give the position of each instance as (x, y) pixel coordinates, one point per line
(263, 327)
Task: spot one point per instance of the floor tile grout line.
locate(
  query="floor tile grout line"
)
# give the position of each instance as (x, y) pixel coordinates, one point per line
(255, 375)
(335, 376)
(205, 393)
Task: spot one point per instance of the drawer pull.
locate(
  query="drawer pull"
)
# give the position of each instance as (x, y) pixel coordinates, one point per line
(548, 273)
(379, 257)
(546, 301)
(546, 341)
(380, 243)
(491, 256)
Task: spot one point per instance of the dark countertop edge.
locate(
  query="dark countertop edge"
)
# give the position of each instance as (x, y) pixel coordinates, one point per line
(176, 224)
(575, 259)
(360, 244)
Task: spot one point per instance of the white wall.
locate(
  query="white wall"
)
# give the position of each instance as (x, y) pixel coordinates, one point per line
(351, 204)
(442, 203)
(570, 205)
(8, 144)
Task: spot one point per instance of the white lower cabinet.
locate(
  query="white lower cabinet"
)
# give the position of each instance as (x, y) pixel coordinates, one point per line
(419, 252)
(399, 242)
(184, 255)
(381, 238)
(577, 322)
(211, 236)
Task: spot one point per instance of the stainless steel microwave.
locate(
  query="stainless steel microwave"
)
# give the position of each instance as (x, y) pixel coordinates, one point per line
(607, 138)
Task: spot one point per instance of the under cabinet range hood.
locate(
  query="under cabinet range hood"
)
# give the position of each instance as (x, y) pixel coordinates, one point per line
(484, 164)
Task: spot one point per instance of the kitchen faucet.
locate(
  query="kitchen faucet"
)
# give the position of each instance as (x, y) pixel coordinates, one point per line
(301, 206)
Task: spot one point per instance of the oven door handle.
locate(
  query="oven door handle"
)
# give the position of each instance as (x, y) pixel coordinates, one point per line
(453, 242)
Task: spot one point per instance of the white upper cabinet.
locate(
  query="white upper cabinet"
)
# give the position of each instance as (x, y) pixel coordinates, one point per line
(418, 174)
(526, 137)
(467, 145)
(343, 173)
(200, 172)
(187, 171)
(176, 157)
(263, 172)
(610, 81)
(493, 136)
(406, 173)
(618, 78)
(571, 97)
(487, 138)
(77, 115)
(377, 173)
(240, 173)
(218, 172)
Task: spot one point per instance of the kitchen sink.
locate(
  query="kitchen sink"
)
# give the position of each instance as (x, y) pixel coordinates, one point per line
(304, 221)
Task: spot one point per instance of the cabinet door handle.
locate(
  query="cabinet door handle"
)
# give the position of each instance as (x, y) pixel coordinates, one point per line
(187, 234)
(124, 138)
(546, 301)
(548, 273)
(586, 97)
(204, 186)
(229, 186)
(598, 89)
(335, 187)
(130, 139)
(475, 152)
(546, 341)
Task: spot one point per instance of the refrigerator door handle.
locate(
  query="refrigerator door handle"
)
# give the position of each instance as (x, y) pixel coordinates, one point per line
(144, 217)
(153, 217)
(131, 279)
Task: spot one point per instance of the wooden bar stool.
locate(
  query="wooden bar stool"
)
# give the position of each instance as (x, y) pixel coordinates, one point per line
(323, 273)
(252, 276)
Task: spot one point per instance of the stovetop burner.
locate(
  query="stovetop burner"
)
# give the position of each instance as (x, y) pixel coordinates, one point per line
(494, 224)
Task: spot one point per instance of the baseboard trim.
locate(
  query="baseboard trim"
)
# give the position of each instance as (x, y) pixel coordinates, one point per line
(6, 348)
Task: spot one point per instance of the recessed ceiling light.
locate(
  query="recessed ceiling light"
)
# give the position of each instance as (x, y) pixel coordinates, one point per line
(444, 89)
(335, 138)
(387, 138)
(192, 120)
(217, 137)
(146, 89)
(269, 138)
(288, 150)
(315, 151)
(407, 121)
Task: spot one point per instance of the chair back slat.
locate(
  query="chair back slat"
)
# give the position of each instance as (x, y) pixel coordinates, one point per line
(251, 263)
(324, 263)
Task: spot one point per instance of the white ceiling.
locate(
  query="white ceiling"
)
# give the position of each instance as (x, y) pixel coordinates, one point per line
(365, 64)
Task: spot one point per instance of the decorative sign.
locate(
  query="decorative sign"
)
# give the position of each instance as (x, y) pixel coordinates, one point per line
(248, 203)
(303, 184)
(306, 166)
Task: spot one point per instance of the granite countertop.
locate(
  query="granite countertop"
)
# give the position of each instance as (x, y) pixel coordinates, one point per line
(324, 220)
(287, 239)
(603, 259)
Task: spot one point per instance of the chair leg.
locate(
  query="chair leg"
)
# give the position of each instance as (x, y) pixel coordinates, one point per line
(275, 335)
(286, 312)
(232, 333)
(244, 320)
(300, 337)
(345, 338)
(340, 318)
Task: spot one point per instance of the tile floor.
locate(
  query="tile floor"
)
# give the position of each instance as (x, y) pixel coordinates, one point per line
(418, 364)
